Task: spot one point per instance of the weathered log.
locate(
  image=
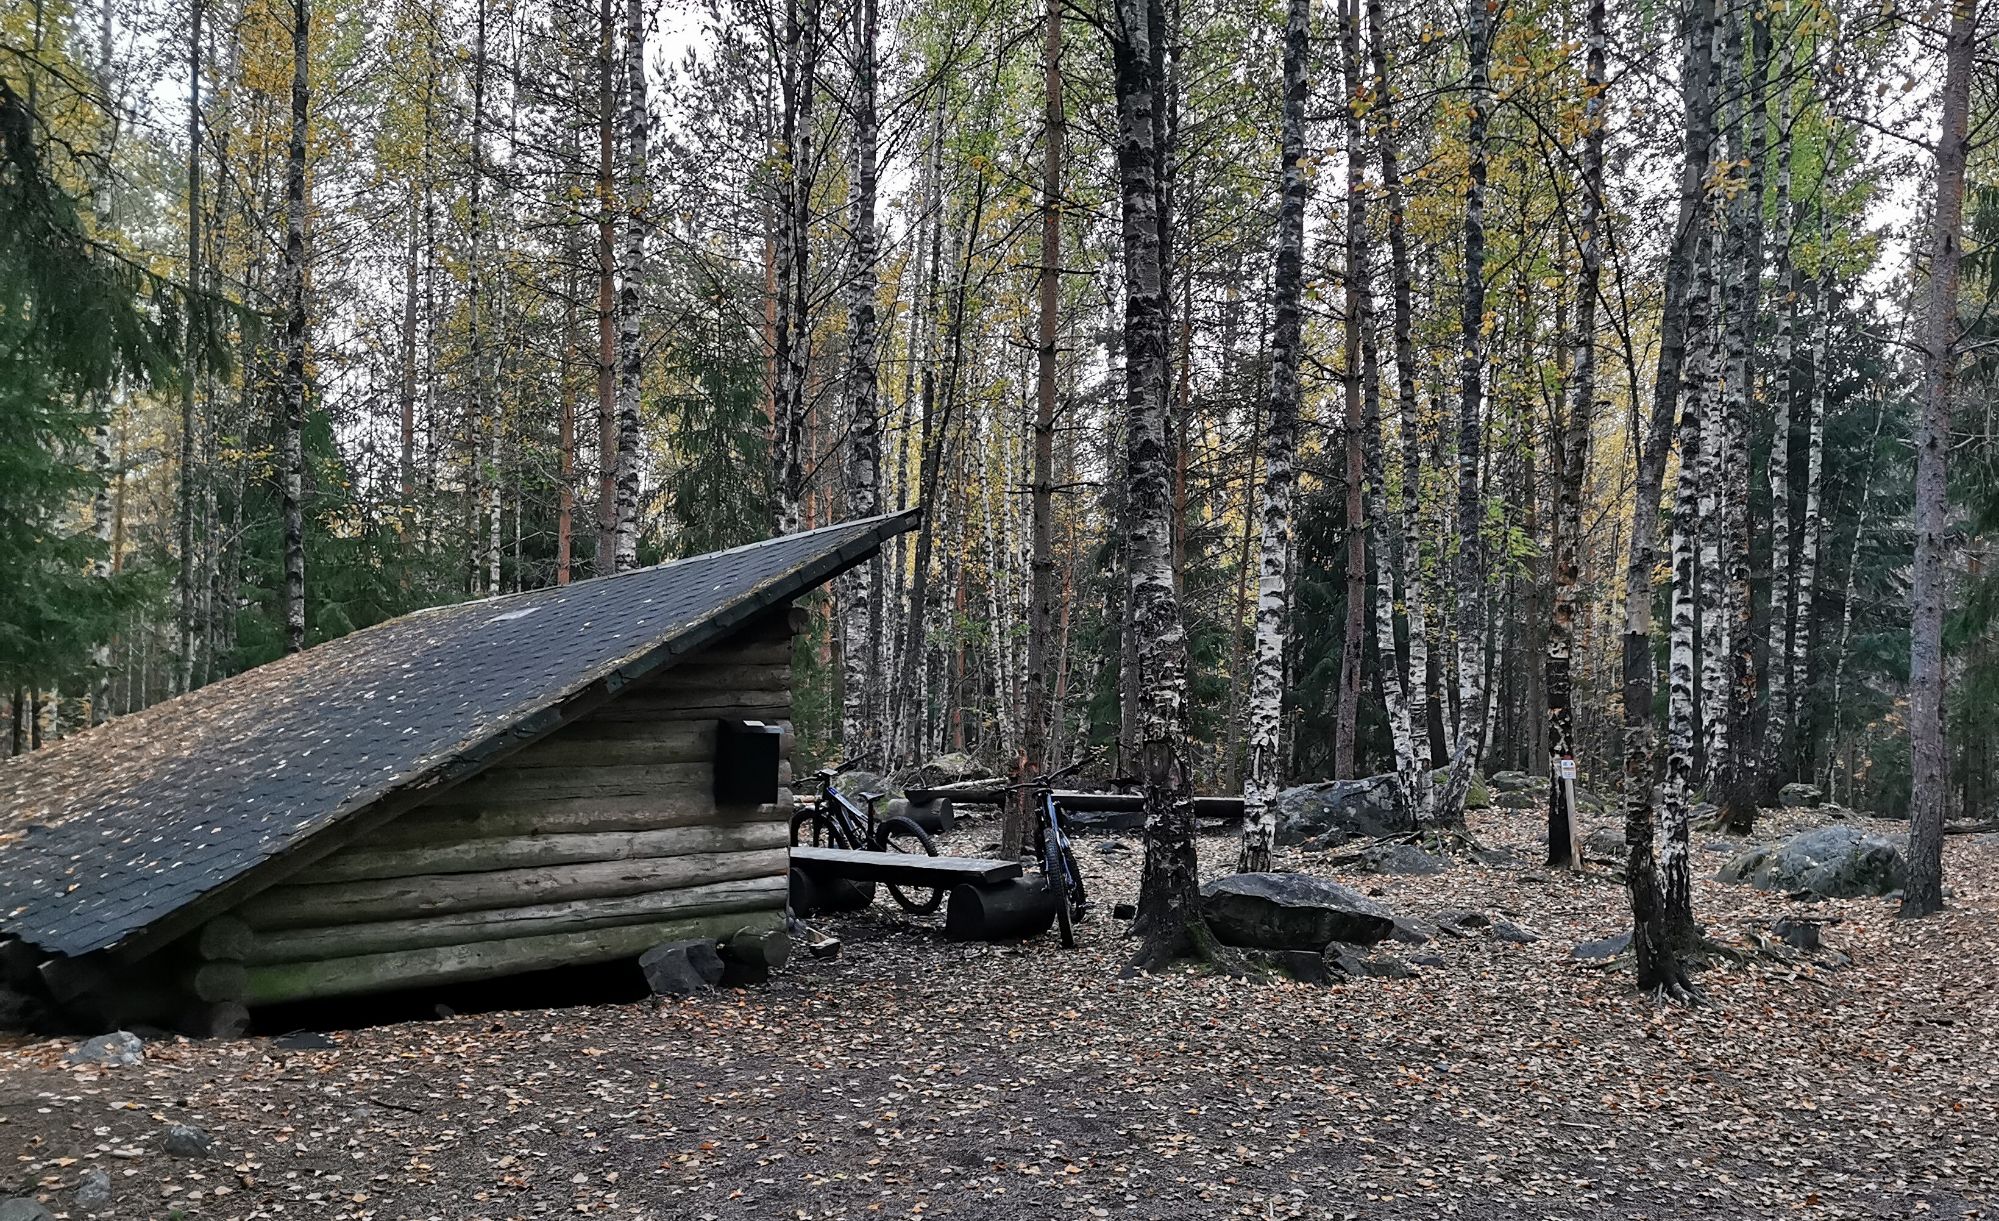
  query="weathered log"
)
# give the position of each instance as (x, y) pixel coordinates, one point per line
(811, 895)
(486, 855)
(464, 928)
(492, 817)
(279, 982)
(519, 784)
(215, 981)
(723, 675)
(306, 906)
(747, 707)
(676, 743)
(999, 911)
(222, 938)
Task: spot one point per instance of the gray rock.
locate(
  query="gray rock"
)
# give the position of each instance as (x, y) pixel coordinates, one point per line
(1403, 859)
(681, 968)
(955, 767)
(1457, 922)
(1291, 911)
(1428, 960)
(1797, 933)
(1111, 847)
(1839, 862)
(1506, 930)
(119, 1049)
(1410, 932)
(1368, 964)
(1517, 782)
(93, 1191)
(1302, 965)
(1800, 796)
(21, 1208)
(1521, 799)
(1701, 812)
(852, 784)
(1606, 841)
(1603, 947)
(1335, 811)
(183, 1140)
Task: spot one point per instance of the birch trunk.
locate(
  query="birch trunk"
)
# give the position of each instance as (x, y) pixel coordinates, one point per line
(631, 288)
(607, 326)
(860, 588)
(291, 448)
(1778, 763)
(1416, 684)
(1658, 962)
(1280, 442)
(1471, 561)
(1927, 593)
(1357, 309)
(185, 469)
(1811, 534)
(1709, 608)
(1564, 831)
(1169, 894)
(794, 331)
(1041, 559)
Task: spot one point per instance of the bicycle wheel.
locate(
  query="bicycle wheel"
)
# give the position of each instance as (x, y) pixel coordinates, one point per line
(1058, 881)
(802, 820)
(902, 835)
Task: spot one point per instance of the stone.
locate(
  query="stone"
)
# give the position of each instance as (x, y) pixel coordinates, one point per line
(1797, 933)
(852, 784)
(119, 1049)
(21, 1208)
(1602, 948)
(305, 1040)
(1111, 847)
(751, 954)
(1506, 930)
(1701, 813)
(1402, 859)
(93, 1190)
(1124, 911)
(1840, 862)
(1365, 964)
(1458, 922)
(1291, 911)
(1478, 795)
(1428, 960)
(955, 767)
(1335, 811)
(1517, 782)
(1302, 965)
(1410, 932)
(184, 1140)
(1521, 799)
(1798, 795)
(1606, 841)
(681, 968)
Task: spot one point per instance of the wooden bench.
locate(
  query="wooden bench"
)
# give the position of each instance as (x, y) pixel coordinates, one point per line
(902, 868)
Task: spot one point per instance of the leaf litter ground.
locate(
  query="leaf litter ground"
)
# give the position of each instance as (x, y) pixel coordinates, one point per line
(915, 1077)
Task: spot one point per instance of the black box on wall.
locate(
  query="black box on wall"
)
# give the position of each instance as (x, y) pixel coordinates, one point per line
(746, 762)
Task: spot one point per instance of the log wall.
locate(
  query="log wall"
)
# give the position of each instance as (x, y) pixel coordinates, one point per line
(593, 844)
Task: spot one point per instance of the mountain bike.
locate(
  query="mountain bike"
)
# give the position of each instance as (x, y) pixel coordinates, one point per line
(834, 821)
(1059, 872)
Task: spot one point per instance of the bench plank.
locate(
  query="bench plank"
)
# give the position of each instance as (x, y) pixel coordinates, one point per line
(902, 867)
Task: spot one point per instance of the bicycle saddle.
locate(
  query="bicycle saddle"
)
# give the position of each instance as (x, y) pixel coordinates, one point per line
(865, 796)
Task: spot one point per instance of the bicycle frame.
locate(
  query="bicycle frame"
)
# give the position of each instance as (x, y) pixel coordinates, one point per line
(845, 820)
(1055, 846)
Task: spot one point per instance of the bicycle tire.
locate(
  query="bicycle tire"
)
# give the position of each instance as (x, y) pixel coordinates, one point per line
(1056, 880)
(891, 837)
(801, 819)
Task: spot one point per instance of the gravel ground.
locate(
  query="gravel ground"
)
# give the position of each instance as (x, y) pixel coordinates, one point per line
(916, 1077)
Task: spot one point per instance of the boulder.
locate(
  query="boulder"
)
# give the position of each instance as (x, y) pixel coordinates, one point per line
(955, 767)
(1402, 859)
(1478, 795)
(93, 1191)
(184, 1140)
(1800, 796)
(1521, 799)
(1506, 930)
(1518, 782)
(1796, 933)
(852, 784)
(1603, 947)
(1291, 911)
(1410, 932)
(21, 1208)
(119, 1049)
(1302, 965)
(1606, 841)
(1458, 922)
(1339, 810)
(1841, 862)
(681, 968)
(1365, 964)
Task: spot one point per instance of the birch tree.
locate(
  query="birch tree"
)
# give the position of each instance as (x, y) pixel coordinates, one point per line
(631, 289)
(1280, 442)
(292, 392)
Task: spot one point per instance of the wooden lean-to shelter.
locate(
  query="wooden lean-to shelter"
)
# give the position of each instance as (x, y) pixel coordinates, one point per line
(565, 776)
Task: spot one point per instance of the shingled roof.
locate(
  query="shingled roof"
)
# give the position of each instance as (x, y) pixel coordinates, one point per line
(105, 834)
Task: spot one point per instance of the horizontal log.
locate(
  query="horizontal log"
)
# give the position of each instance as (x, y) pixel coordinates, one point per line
(636, 780)
(222, 938)
(216, 982)
(306, 906)
(490, 817)
(685, 748)
(768, 650)
(719, 676)
(276, 983)
(486, 855)
(463, 928)
(754, 707)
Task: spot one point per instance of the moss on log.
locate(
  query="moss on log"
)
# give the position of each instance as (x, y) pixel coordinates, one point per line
(307, 906)
(343, 941)
(275, 983)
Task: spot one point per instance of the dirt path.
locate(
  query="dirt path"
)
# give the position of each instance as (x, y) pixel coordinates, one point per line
(916, 1077)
